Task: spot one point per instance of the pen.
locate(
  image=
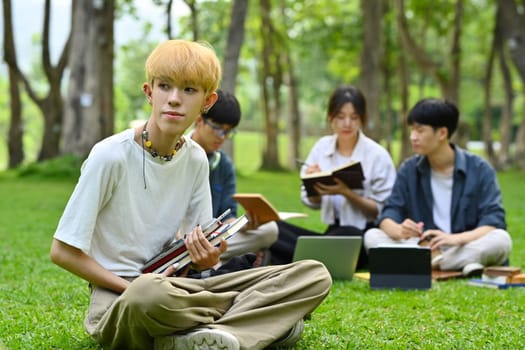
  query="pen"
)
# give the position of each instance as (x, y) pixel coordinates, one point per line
(301, 162)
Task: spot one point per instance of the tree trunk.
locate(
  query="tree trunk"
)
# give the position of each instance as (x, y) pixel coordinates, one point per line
(513, 29)
(51, 105)
(15, 144)
(370, 77)
(89, 112)
(506, 113)
(294, 122)
(387, 69)
(487, 110)
(448, 79)
(405, 150)
(234, 43)
(192, 4)
(271, 80)
(232, 53)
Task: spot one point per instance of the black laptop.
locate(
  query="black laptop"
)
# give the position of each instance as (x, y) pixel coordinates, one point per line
(400, 267)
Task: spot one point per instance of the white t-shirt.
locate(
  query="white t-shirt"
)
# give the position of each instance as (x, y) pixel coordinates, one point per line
(442, 194)
(116, 220)
(378, 169)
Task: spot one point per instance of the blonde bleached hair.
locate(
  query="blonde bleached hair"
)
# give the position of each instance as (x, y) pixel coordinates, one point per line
(185, 62)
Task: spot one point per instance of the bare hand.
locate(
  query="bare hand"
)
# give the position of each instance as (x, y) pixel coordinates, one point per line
(339, 188)
(410, 228)
(202, 253)
(439, 238)
(170, 270)
(314, 168)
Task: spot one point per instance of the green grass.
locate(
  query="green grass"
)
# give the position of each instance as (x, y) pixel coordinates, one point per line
(43, 306)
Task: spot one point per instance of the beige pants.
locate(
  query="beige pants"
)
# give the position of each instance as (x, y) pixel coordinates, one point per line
(256, 305)
(491, 249)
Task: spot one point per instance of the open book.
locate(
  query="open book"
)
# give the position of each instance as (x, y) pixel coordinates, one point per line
(177, 253)
(351, 174)
(256, 204)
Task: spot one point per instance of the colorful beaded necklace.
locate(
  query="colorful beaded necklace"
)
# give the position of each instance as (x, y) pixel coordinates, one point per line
(146, 142)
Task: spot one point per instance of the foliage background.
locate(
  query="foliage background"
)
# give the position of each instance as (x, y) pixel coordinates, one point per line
(325, 40)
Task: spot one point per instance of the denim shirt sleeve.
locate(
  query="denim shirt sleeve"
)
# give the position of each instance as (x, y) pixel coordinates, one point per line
(476, 199)
(410, 197)
(223, 187)
(476, 195)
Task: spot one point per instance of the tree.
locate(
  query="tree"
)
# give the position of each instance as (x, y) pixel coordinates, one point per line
(168, 5)
(51, 105)
(232, 52)
(15, 144)
(370, 74)
(194, 13)
(89, 111)
(513, 32)
(447, 77)
(271, 81)
(234, 43)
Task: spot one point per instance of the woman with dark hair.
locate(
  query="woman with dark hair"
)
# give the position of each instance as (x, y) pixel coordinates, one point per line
(346, 211)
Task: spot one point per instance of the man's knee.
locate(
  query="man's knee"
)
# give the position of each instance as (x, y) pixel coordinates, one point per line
(268, 234)
(500, 243)
(321, 277)
(145, 292)
(372, 238)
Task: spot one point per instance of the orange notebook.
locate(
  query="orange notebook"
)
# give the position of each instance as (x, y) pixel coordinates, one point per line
(257, 205)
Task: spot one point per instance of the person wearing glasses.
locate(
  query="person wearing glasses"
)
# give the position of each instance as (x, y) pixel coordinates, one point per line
(210, 132)
(345, 211)
(136, 190)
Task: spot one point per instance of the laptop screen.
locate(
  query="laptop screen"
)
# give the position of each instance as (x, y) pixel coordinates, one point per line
(338, 253)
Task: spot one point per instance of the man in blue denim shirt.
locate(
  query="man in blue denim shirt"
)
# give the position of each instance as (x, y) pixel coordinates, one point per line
(445, 196)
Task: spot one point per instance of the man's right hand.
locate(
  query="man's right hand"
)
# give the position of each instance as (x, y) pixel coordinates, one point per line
(204, 255)
(410, 228)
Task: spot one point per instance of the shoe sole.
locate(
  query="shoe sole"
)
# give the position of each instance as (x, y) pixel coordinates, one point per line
(212, 339)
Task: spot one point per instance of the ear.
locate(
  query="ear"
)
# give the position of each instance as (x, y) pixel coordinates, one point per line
(199, 120)
(147, 91)
(210, 101)
(442, 133)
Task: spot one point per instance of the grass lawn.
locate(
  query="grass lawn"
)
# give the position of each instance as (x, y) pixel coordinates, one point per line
(43, 306)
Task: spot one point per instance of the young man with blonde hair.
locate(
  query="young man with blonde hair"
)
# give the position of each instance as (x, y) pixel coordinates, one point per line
(137, 189)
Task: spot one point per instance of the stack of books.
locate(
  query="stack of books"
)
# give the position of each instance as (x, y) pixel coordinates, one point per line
(500, 277)
(177, 254)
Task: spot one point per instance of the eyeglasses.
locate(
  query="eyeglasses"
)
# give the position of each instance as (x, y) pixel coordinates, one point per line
(221, 132)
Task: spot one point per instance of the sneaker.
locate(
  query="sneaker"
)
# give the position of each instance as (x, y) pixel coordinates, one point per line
(290, 339)
(200, 339)
(473, 270)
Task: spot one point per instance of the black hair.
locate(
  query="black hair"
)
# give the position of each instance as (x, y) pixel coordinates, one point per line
(347, 94)
(435, 112)
(226, 110)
